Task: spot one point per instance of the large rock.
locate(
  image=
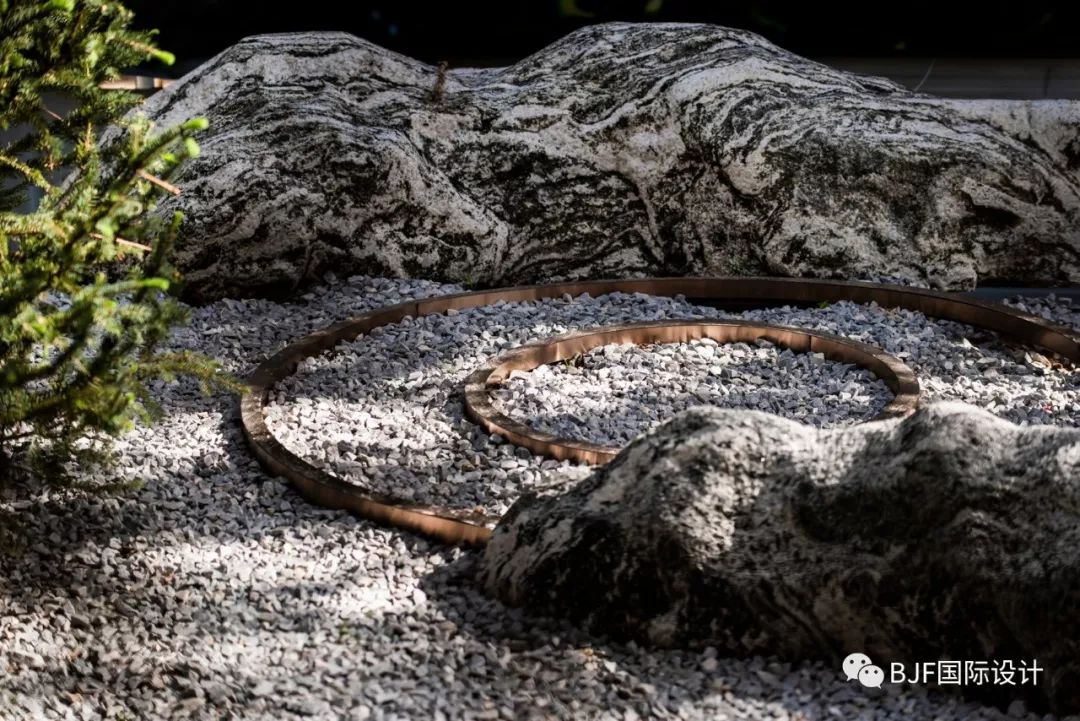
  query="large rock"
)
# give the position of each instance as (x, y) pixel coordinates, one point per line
(951, 534)
(621, 149)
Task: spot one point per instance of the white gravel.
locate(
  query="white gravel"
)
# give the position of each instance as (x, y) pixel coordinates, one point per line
(385, 411)
(614, 393)
(214, 592)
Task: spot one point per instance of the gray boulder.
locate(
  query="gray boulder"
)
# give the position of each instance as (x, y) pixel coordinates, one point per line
(951, 534)
(622, 149)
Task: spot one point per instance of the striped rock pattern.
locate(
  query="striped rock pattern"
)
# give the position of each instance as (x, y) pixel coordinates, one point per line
(621, 149)
(950, 534)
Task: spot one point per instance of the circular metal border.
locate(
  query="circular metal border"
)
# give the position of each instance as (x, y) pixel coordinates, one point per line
(478, 406)
(460, 526)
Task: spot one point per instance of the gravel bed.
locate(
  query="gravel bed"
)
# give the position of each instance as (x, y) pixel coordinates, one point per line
(214, 592)
(614, 393)
(385, 411)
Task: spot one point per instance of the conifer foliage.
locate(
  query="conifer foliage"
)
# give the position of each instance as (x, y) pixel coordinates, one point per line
(85, 276)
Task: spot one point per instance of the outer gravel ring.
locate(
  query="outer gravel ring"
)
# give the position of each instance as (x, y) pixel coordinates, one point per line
(452, 525)
(478, 406)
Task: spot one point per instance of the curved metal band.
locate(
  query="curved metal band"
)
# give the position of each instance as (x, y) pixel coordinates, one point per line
(458, 526)
(478, 406)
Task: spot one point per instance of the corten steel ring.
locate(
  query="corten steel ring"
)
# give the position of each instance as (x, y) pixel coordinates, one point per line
(478, 406)
(462, 526)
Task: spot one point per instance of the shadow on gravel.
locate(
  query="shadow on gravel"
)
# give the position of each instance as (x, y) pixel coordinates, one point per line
(662, 683)
(565, 664)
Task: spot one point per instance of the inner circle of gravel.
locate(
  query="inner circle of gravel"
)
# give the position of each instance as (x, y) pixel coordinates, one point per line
(214, 591)
(614, 393)
(385, 411)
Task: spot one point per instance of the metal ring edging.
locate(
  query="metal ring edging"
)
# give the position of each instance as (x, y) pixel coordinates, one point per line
(460, 526)
(897, 376)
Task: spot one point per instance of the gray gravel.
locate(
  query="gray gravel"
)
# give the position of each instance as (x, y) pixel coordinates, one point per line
(614, 393)
(385, 411)
(214, 592)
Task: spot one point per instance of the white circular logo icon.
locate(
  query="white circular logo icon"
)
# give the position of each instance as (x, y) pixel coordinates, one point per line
(854, 663)
(871, 676)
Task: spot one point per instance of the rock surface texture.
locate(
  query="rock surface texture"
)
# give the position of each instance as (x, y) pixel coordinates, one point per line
(621, 149)
(951, 534)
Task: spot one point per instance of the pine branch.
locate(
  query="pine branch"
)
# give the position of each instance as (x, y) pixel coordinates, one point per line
(76, 349)
(159, 182)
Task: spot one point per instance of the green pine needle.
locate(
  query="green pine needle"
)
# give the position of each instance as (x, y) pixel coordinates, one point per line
(84, 278)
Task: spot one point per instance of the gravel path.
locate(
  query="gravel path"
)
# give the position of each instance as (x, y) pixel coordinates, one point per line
(214, 592)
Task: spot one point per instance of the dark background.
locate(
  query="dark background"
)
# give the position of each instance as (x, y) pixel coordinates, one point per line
(488, 32)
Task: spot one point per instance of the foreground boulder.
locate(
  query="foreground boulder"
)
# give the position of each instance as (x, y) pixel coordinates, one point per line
(951, 534)
(621, 149)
